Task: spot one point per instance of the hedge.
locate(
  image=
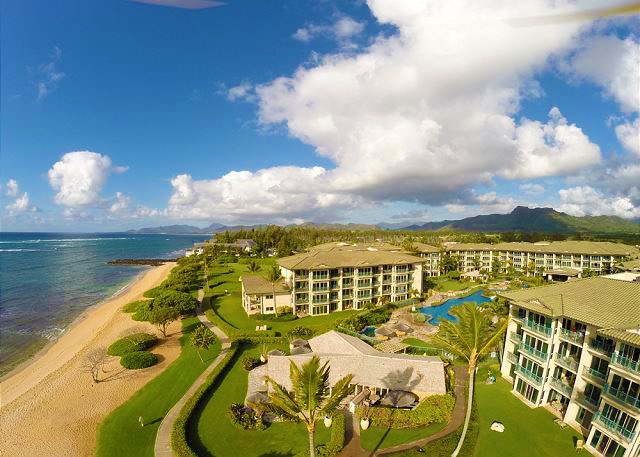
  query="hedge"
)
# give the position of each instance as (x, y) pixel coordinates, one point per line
(179, 442)
(433, 409)
(132, 343)
(138, 359)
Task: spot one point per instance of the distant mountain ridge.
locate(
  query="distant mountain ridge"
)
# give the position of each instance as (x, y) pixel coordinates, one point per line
(521, 219)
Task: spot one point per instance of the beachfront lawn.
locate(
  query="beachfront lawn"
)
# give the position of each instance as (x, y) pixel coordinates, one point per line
(376, 438)
(120, 433)
(211, 433)
(528, 432)
(226, 300)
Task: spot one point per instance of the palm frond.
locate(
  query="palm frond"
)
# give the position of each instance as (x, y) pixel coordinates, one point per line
(340, 390)
(282, 399)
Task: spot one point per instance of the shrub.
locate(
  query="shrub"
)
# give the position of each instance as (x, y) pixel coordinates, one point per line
(272, 317)
(249, 363)
(376, 316)
(420, 318)
(133, 306)
(245, 418)
(138, 359)
(152, 293)
(183, 302)
(300, 332)
(284, 309)
(436, 408)
(455, 275)
(143, 313)
(132, 343)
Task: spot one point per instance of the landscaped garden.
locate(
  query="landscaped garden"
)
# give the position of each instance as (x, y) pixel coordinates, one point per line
(120, 434)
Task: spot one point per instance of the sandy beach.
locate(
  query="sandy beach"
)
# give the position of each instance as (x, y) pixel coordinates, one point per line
(50, 405)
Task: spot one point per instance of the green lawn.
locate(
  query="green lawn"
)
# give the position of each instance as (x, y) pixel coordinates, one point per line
(528, 432)
(120, 433)
(211, 433)
(415, 342)
(227, 303)
(452, 285)
(379, 438)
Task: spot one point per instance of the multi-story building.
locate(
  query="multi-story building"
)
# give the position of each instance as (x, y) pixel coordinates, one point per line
(339, 276)
(574, 348)
(540, 257)
(431, 256)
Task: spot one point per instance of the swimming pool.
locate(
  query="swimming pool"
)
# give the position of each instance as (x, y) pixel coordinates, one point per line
(369, 330)
(442, 311)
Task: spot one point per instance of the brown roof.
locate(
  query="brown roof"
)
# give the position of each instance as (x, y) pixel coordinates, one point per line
(422, 247)
(257, 285)
(553, 247)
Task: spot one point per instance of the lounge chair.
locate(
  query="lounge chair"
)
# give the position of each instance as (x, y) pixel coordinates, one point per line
(579, 445)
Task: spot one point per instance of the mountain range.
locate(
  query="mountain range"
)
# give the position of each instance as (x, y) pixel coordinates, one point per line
(521, 219)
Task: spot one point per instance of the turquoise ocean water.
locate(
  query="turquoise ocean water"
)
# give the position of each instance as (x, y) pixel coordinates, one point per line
(48, 279)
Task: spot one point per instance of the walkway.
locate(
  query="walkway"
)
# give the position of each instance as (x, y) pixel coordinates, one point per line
(163, 436)
(354, 449)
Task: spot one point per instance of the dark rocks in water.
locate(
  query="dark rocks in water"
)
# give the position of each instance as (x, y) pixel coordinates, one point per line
(150, 262)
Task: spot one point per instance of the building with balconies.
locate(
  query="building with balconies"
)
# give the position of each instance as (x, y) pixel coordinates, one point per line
(341, 276)
(574, 348)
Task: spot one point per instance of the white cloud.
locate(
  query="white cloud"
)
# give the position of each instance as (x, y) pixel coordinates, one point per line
(614, 64)
(79, 176)
(48, 74)
(121, 208)
(243, 91)
(628, 134)
(532, 188)
(585, 200)
(12, 188)
(342, 30)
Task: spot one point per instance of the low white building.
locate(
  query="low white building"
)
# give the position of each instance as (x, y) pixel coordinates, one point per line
(258, 298)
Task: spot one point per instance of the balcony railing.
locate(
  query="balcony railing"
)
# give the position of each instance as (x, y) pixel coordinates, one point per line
(593, 374)
(511, 357)
(574, 337)
(533, 352)
(567, 362)
(515, 337)
(530, 375)
(602, 347)
(622, 432)
(621, 397)
(319, 289)
(626, 362)
(587, 401)
(517, 317)
(561, 386)
(544, 330)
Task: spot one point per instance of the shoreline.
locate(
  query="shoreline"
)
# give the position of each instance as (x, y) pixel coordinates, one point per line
(76, 336)
(29, 359)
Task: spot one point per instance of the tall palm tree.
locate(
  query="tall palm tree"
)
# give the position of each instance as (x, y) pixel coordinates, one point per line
(253, 266)
(470, 338)
(273, 276)
(311, 398)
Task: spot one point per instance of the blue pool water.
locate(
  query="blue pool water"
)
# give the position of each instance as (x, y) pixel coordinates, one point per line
(369, 330)
(442, 311)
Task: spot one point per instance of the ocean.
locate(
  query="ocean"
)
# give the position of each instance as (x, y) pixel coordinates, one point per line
(48, 279)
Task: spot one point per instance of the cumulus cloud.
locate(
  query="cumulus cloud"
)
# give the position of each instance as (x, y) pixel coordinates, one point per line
(48, 74)
(342, 30)
(585, 200)
(79, 176)
(531, 188)
(243, 91)
(121, 208)
(613, 63)
(12, 188)
(628, 134)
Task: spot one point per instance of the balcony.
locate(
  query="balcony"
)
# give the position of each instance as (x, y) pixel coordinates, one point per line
(561, 386)
(601, 347)
(516, 317)
(612, 426)
(626, 363)
(572, 337)
(320, 289)
(533, 352)
(542, 330)
(530, 375)
(515, 337)
(511, 357)
(567, 362)
(594, 375)
(621, 397)
(587, 402)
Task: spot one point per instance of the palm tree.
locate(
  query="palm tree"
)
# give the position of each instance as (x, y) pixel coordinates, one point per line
(274, 276)
(470, 338)
(253, 266)
(311, 398)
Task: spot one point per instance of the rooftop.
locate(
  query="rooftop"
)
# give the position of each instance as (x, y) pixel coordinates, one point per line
(257, 285)
(551, 247)
(611, 305)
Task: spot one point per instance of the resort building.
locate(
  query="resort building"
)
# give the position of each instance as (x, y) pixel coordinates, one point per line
(340, 276)
(431, 256)
(574, 348)
(376, 375)
(241, 244)
(257, 295)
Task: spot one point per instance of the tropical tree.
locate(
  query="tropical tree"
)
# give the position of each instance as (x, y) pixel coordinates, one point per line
(311, 398)
(274, 276)
(253, 266)
(470, 338)
(162, 316)
(202, 338)
(477, 263)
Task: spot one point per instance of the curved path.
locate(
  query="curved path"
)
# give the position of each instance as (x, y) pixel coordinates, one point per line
(354, 449)
(163, 436)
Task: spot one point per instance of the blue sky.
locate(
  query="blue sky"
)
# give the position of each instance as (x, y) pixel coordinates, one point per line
(119, 114)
